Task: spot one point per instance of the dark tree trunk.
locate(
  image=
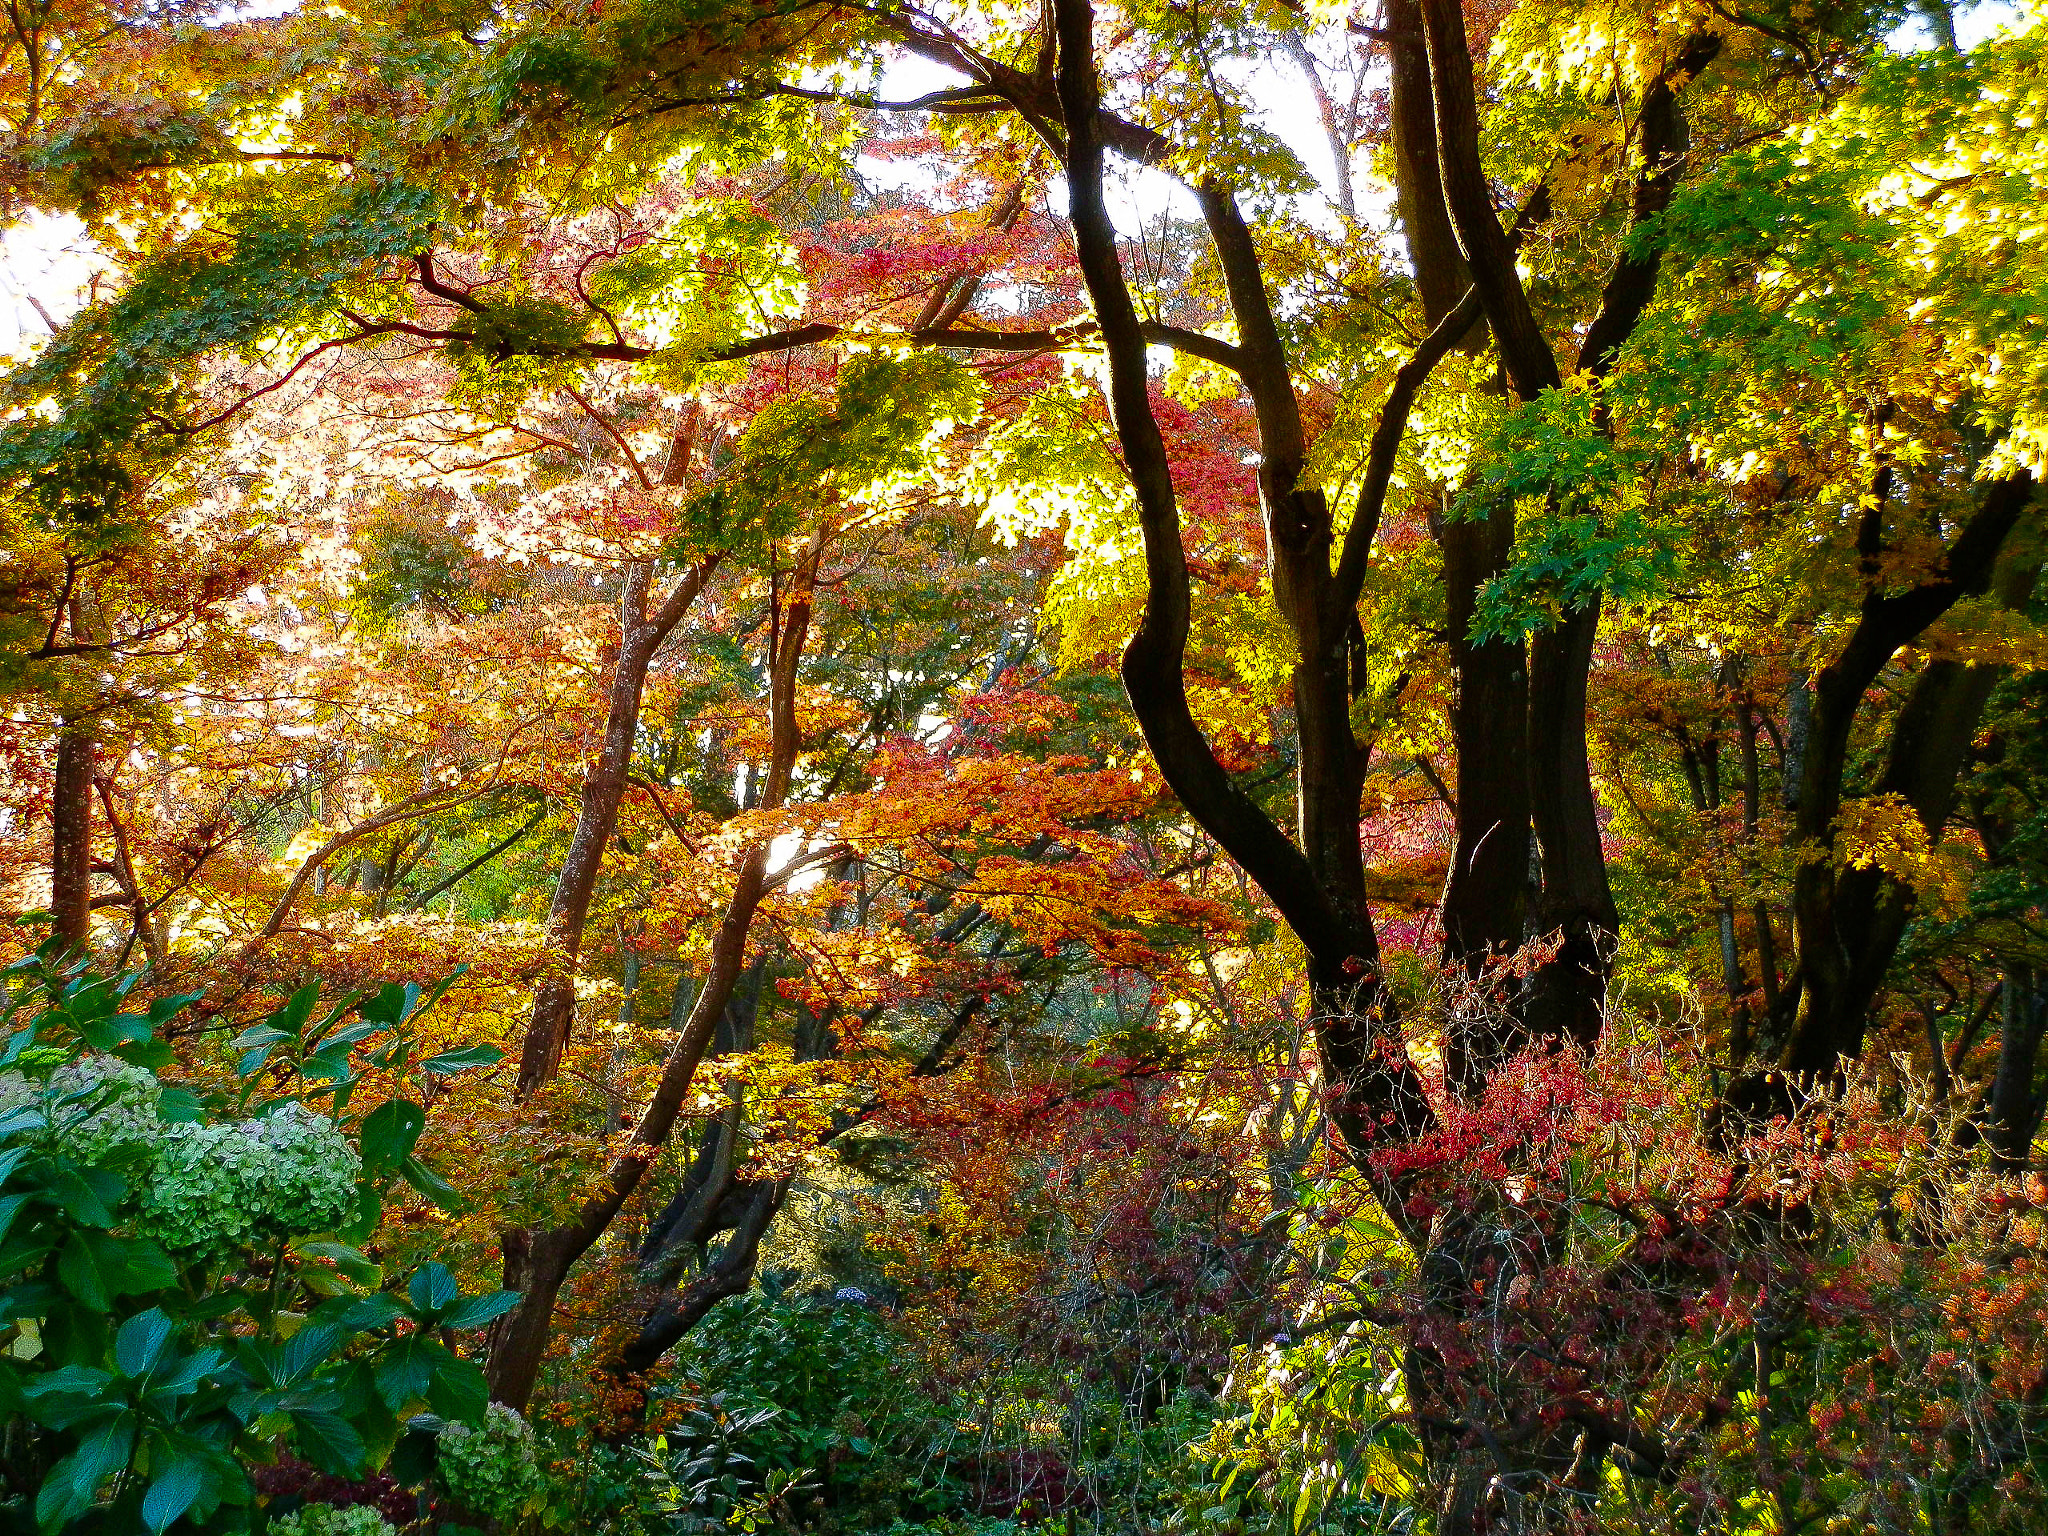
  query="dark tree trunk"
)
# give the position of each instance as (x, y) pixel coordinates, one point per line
(1485, 906)
(2012, 1112)
(1567, 996)
(1847, 922)
(71, 838)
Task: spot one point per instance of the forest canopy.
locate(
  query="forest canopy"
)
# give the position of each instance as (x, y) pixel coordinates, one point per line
(944, 769)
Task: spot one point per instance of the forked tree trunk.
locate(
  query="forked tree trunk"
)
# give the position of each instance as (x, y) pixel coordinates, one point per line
(1847, 922)
(597, 814)
(537, 1263)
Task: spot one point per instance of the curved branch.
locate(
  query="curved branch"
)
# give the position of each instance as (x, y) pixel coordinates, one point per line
(1386, 443)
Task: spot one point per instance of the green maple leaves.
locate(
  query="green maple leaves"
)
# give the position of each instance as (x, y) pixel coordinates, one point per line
(880, 433)
(103, 408)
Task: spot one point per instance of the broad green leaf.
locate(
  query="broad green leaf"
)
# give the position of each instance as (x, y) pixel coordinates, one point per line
(173, 1490)
(390, 1131)
(432, 1288)
(448, 1063)
(139, 1346)
(431, 1184)
(475, 1311)
(329, 1441)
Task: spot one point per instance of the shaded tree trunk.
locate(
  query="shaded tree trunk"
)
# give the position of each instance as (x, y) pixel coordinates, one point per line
(597, 814)
(2012, 1113)
(1847, 922)
(71, 837)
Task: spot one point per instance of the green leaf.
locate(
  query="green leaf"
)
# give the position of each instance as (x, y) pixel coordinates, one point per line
(86, 1194)
(290, 1020)
(363, 1313)
(164, 1009)
(475, 1311)
(96, 1267)
(174, 1490)
(448, 1063)
(180, 1106)
(390, 1131)
(459, 1391)
(69, 1489)
(432, 1288)
(431, 1184)
(327, 1065)
(352, 1262)
(10, 1207)
(256, 1043)
(139, 1346)
(392, 1004)
(405, 1371)
(78, 1268)
(329, 1441)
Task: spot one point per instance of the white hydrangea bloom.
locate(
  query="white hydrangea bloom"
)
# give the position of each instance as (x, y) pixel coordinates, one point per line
(124, 1099)
(493, 1470)
(17, 1092)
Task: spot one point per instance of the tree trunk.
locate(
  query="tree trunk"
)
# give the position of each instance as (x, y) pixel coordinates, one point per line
(2012, 1114)
(1567, 996)
(1847, 922)
(71, 838)
(537, 1263)
(597, 815)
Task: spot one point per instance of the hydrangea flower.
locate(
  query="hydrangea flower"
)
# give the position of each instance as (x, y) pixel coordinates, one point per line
(285, 1173)
(98, 1107)
(333, 1520)
(491, 1471)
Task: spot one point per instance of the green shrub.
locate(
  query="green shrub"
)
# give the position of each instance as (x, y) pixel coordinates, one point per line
(333, 1520)
(176, 1300)
(817, 1409)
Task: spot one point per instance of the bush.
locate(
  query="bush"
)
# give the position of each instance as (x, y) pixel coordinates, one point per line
(333, 1520)
(815, 1411)
(176, 1304)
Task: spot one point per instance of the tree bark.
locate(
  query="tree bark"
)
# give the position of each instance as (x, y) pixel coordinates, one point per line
(71, 838)
(1566, 999)
(2012, 1113)
(1846, 923)
(1318, 885)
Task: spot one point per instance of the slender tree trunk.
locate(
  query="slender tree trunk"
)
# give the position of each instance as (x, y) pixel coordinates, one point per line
(538, 1263)
(1441, 273)
(145, 931)
(597, 815)
(730, 1274)
(71, 837)
(1752, 820)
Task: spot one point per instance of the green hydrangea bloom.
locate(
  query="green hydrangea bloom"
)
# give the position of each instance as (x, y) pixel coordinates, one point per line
(284, 1174)
(491, 1471)
(333, 1520)
(98, 1107)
